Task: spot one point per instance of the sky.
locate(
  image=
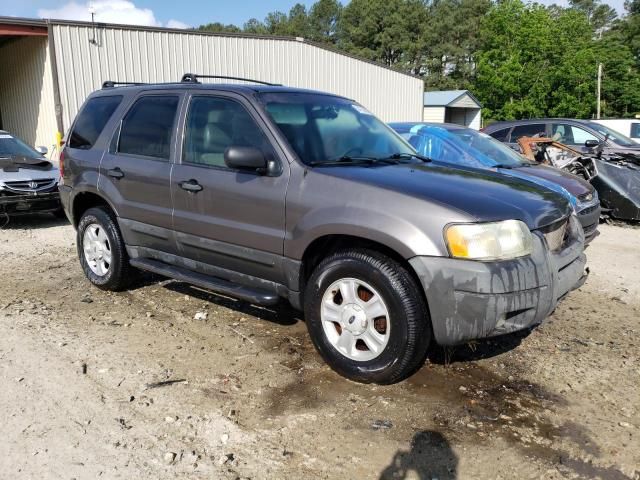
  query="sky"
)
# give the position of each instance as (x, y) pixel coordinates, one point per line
(169, 13)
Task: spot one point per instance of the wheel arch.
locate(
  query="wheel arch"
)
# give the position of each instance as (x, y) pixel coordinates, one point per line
(85, 200)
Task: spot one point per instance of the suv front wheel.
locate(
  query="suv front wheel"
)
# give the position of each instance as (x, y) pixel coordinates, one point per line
(367, 317)
(101, 250)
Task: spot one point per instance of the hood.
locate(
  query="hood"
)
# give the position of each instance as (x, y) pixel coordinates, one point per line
(16, 163)
(576, 186)
(484, 195)
(21, 169)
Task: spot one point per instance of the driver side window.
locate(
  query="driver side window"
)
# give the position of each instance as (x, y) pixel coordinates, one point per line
(214, 124)
(570, 134)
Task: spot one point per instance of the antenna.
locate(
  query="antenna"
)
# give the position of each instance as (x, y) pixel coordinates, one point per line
(92, 11)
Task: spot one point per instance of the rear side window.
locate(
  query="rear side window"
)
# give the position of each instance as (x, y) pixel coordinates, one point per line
(501, 135)
(527, 131)
(91, 121)
(635, 130)
(147, 127)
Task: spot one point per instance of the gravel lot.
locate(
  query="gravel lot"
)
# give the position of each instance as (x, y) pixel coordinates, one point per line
(246, 396)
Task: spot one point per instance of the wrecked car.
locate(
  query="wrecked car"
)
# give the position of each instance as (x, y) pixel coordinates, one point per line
(28, 181)
(616, 176)
(264, 192)
(464, 147)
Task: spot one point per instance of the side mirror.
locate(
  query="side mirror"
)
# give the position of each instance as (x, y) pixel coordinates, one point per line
(591, 143)
(245, 158)
(42, 150)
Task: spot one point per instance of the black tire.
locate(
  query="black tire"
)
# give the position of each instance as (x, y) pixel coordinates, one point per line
(410, 333)
(119, 273)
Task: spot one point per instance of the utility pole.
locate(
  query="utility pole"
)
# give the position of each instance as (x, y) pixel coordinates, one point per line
(599, 90)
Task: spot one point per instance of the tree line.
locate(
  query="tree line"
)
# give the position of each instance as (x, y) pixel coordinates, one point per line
(521, 60)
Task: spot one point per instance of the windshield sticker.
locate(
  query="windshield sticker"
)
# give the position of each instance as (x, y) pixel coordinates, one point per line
(361, 110)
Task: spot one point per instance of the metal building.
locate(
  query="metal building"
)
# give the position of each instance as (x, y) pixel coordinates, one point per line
(48, 67)
(453, 106)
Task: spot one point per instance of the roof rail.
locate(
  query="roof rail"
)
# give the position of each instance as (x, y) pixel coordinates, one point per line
(111, 83)
(193, 78)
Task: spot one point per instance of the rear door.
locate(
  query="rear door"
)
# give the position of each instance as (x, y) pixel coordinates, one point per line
(525, 130)
(231, 219)
(135, 172)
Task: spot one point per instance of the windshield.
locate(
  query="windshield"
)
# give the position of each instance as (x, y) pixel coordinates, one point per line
(323, 128)
(616, 137)
(12, 147)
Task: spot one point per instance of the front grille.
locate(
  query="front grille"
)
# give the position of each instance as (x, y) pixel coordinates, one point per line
(31, 185)
(555, 235)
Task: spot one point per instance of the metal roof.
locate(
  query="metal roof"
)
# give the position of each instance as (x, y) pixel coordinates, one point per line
(35, 22)
(445, 98)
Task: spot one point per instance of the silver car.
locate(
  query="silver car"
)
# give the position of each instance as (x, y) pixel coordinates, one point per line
(28, 181)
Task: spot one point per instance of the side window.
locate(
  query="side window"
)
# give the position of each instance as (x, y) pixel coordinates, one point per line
(527, 131)
(91, 121)
(580, 136)
(569, 134)
(147, 127)
(635, 131)
(213, 124)
(501, 135)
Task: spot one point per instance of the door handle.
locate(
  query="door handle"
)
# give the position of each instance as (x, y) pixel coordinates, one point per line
(191, 186)
(115, 173)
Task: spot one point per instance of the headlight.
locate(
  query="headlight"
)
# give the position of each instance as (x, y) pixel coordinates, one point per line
(489, 241)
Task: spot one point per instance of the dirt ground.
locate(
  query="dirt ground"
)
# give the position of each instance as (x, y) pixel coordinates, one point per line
(246, 396)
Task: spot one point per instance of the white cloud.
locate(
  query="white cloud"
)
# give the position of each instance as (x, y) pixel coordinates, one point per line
(108, 11)
(177, 24)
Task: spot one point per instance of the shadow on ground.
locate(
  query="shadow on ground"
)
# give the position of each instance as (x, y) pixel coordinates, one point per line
(31, 222)
(430, 456)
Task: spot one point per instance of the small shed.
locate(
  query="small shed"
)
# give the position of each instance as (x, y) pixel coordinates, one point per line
(453, 106)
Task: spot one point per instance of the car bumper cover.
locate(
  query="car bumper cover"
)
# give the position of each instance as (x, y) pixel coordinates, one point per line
(470, 300)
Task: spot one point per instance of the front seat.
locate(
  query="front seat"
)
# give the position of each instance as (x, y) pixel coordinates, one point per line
(215, 139)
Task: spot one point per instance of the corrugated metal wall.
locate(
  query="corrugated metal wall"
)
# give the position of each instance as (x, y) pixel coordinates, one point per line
(26, 91)
(164, 56)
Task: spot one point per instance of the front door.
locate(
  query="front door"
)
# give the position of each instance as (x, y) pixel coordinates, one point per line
(136, 171)
(231, 219)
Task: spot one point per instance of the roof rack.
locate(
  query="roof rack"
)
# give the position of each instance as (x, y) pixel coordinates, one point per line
(193, 78)
(111, 83)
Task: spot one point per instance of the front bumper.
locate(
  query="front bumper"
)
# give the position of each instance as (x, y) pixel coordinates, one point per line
(29, 203)
(470, 300)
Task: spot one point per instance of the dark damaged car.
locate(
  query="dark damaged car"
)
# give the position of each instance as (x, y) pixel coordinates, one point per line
(28, 181)
(264, 192)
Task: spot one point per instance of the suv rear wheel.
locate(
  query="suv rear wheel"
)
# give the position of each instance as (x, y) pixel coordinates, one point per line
(101, 250)
(367, 317)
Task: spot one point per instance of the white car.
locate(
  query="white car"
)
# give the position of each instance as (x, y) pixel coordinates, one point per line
(28, 181)
(626, 126)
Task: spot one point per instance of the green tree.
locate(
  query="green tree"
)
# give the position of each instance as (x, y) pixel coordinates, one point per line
(599, 15)
(324, 17)
(218, 27)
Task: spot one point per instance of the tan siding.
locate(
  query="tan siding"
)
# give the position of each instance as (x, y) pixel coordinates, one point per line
(158, 56)
(26, 91)
(434, 114)
(464, 102)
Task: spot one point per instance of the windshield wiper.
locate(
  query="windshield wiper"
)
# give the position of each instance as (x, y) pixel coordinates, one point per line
(397, 156)
(505, 165)
(349, 160)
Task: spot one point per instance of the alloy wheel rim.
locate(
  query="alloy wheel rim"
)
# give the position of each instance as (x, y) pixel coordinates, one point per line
(97, 249)
(355, 319)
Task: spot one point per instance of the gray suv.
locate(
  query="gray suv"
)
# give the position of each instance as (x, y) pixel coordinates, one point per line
(265, 192)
